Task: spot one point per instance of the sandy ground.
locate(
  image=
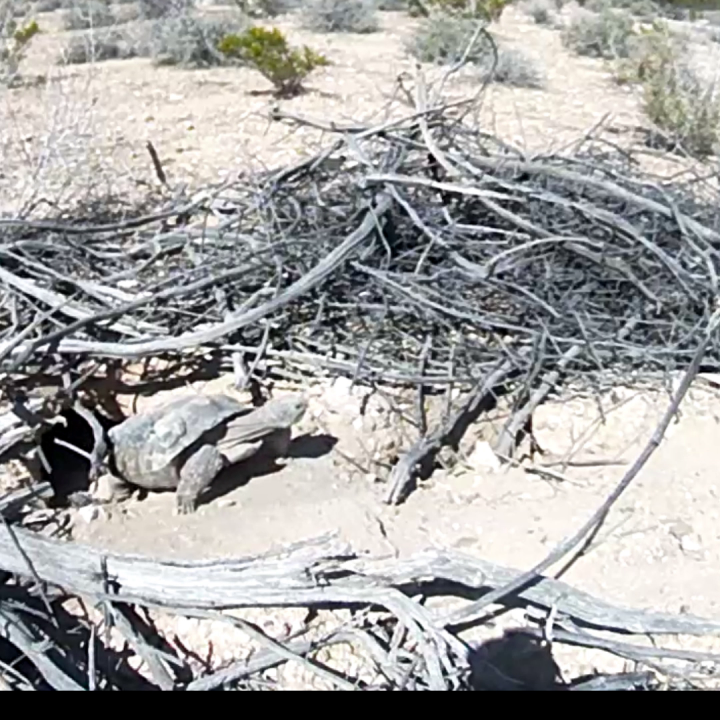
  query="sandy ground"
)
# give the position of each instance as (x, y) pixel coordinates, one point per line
(84, 129)
(658, 548)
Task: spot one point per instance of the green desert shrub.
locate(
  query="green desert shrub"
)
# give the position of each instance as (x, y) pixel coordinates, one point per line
(270, 54)
(16, 34)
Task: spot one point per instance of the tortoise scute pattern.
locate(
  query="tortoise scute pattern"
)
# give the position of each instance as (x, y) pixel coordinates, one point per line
(185, 443)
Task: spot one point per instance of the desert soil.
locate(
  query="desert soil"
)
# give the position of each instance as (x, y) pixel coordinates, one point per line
(660, 546)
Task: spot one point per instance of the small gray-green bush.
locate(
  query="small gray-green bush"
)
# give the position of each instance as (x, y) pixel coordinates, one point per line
(442, 39)
(516, 69)
(606, 34)
(14, 8)
(642, 8)
(155, 9)
(96, 47)
(267, 8)
(677, 100)
(597, 6)
(87, 14)
(190, 40)
(681, 104)
(541, 11)
(355, 16)
(49, 5)
(686, 107)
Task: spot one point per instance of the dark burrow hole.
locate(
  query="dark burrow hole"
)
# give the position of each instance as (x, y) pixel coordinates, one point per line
(69, 470)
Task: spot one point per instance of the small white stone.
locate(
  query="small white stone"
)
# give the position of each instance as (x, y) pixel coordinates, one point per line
(711, 378)
(128, 284)
(690, 544)
(89, 513)
(342, 385)
(483, 458)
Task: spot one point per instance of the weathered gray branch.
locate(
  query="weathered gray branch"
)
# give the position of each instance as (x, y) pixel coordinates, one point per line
(318, 572)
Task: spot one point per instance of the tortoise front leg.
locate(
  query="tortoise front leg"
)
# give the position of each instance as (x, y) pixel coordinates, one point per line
(199, 470)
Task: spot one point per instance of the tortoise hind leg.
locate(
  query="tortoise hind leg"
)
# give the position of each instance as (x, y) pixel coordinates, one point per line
(199, 470)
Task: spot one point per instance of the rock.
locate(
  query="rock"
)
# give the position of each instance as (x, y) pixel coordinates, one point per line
(483, 458)
(44, 515)
(691, 545)
(103, 491)
(127, 284)
(680, 529)
(89, 513)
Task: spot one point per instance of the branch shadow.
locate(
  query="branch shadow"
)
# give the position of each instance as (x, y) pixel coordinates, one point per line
(69, 638)
(516, 661)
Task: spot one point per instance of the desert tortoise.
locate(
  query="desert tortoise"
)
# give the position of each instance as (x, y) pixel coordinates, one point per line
(185, 443)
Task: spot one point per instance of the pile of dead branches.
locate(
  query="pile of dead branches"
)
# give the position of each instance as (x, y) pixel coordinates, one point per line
(419, 252)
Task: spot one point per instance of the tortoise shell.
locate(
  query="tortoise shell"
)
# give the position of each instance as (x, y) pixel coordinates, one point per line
(148, 444)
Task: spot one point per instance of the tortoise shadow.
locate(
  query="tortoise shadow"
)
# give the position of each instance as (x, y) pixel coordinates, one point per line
(264, 463)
